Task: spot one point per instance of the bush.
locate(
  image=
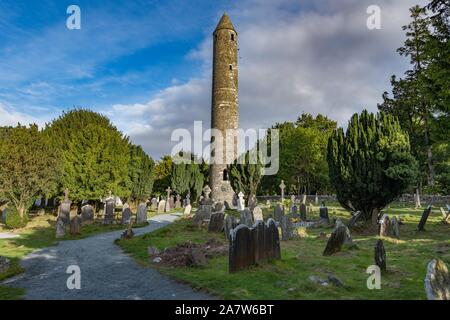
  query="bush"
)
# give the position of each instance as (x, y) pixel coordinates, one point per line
(13, 220)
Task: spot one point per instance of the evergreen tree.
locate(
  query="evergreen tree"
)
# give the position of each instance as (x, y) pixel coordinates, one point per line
(28, 167)
(371, 164)
(187, 176)
(140, 172)
(163, 171)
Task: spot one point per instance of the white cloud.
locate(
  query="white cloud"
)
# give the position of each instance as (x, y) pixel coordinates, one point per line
(11, 117)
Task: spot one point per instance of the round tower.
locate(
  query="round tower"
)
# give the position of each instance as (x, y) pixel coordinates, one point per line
(224, 108)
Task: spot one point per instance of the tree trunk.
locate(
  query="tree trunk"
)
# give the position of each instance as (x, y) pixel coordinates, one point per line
(375, 213)
(429, 156)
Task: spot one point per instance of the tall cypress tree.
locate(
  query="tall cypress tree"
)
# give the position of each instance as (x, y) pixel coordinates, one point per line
(371, 164)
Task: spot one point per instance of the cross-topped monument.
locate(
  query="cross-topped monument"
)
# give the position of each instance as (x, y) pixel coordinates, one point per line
(282, 187)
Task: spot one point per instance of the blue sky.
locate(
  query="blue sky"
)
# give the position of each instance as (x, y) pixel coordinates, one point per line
(147, 64)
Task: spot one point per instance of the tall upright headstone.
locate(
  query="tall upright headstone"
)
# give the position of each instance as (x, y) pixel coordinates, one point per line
(64, 209)
(110, 203)
(424, 218)
(282, 187)
(168, 208)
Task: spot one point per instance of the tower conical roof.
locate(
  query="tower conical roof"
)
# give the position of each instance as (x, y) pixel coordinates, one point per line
(225, 23)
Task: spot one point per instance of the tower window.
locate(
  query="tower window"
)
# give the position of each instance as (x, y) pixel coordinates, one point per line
(232, 37)
(231, 67)
(225, 175)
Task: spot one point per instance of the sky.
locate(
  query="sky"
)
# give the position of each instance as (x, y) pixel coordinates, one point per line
(146, 64)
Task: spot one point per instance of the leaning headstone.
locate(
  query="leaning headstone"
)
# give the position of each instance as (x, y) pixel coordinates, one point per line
(356, 216)
(109, 210)
(437, 281)
(187, 210)
(286, 228)
(246, 218)
(395, 227)
(380, 255)
(126, 214)
(216, 222)
(384, 230)
(303, 211)
(323, 213)
(348, 237)
(229, 224)
(241, 202)
(75, 226)
(60, 228)
(161, 206)
(424, 218)
(141, 215)
(87, 214)
(278, 212)
(258, 214)
(336, 241)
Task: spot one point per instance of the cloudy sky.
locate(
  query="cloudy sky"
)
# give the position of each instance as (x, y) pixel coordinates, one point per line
(147, 64)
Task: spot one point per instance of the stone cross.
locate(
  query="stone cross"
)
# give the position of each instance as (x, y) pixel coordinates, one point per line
(282, 186)
(168, 192)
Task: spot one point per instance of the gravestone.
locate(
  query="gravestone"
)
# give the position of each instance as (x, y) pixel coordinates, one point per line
(141, 215)
(395, 227)
(178, 202)
(172, 202)
(424, 218)
(384, 229)
(268, 203)
(445, 215)
(188, 199)
(154, 205)
(336, 241)
(303, 211)
(75, 226)
(356, 216)
(294, 211)
(241, 202)
(246, 217)
(216, 222)
(287, 228)
(87, 214)
(234, 201)
(60, 228)
(310, 210)
(316, 199)
(109, 210)
(126, 214)
(282, 187)
(417, 199)
(323, 213)
(252, 246)
(5, 264)
(187, 210)
(437, 281)
(229, 224)
(292, 201)
(258, 214)
(380, 255)
(278, 212)
(64, 209)
(348, 237)
(168, 207)
(161, 206)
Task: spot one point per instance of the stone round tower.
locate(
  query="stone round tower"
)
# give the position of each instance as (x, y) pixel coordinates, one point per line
(224, 109)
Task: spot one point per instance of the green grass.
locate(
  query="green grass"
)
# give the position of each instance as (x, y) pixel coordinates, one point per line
(407, 259)
(39, 233)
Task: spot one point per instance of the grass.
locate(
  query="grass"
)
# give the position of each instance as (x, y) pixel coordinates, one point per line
(288, 278)
(39, 233)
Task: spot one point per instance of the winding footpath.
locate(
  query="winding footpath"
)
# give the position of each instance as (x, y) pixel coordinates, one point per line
(106, 272)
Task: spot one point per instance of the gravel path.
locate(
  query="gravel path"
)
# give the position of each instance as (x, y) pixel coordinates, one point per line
(106, 272)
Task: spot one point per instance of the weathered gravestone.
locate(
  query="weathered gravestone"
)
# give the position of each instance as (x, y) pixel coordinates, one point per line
(348, 237)
(278, 212)
(60, 228)
(64, 208)
(161, 206)
(168, 205)
(395, 227)
(216, 222)
(229, 224)
(282, 187)
(154, 205)
(323, 213)
(178, 202)
(336, 241)
(303, 211)
(109, 210)
(141, 215)
(380, 255)
(251, 246)
(246, 217)
(424, 218)
(437, 281)
(316, 199)
(187, 210)
(241, 202)
(75, 226)
(294, 212)
(384, 229)
(356, 216)
(87, 214)
(287, 228)
(292, 201)
(172, 202)
(126, 214)
(258, 214)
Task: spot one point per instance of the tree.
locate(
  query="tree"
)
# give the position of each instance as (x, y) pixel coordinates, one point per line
(95, 156)
(140, 172)
(28, 167)
(163, 171)
(187, 176)
(245, 173)
(371, 164)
